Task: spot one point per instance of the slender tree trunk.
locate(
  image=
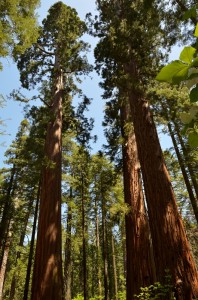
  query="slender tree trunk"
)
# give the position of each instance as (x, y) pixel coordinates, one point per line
(98, 255)
(47, 283)
(123, 234)
(18, 254)
(29, 266)
(114, 267)
(5, 258)
(140, 271)
(104, 246)
(171, 248)
(185, 153)
(84, 242)
(184, 173)
(7, 211)
(68, 262)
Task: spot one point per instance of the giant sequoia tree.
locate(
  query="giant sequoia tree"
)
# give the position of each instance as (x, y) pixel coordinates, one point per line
(129, 43)
(55, 56)
(140, 267)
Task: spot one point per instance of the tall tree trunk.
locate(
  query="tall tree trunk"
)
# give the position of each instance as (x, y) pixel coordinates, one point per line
(98, 255)
(5, 258)
(104, 248)
(68, 261)
(8, 207)
(31, 253)
(18, 254)
(171, 248)
(84, 241)
(114, 267)
(184, 173)
(140, 271)
(186, 156)
(123, 235)
(47, 283)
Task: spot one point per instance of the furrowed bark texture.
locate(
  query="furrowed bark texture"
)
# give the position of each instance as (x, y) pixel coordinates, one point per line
(140, 270)
(171, 248)
(47, 281)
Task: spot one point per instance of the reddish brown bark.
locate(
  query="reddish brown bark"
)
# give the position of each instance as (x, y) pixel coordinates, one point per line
(171, 248)
(140, 270)
(47, 281)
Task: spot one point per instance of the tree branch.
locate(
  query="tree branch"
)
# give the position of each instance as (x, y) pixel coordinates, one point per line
(43, 50)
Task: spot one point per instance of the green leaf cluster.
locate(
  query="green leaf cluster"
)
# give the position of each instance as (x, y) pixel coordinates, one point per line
(185, 71)
(18, 26)
(157, 291)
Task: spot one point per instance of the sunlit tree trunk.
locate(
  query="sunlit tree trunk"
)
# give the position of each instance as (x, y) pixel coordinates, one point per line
(31, 253)
(47, 283)
(171, 248)
(140, 271)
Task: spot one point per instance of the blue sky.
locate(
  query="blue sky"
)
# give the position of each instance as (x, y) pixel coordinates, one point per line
(12, 113)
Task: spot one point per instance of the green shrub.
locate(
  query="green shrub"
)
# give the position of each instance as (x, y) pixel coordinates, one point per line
(157, 291)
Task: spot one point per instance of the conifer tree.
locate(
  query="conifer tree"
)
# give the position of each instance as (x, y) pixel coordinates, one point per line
(56, 55)
(129, 44)
(18, 26)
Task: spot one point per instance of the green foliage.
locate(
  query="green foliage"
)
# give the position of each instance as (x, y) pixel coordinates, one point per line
(122, 295)
(59, 37)
(157, 291)
(78, 297)
(196, 31)
(178, 70)
(18, 26)
(185, 71)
